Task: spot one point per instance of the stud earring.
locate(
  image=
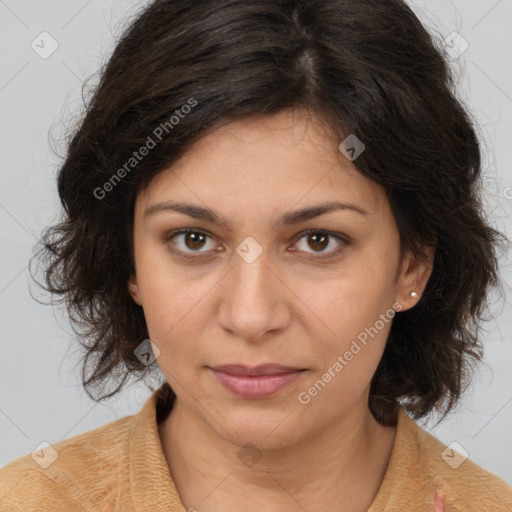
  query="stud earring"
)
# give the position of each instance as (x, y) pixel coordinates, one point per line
(414, 295)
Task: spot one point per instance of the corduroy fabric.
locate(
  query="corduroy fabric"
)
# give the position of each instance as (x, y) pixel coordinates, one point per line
(121, 467)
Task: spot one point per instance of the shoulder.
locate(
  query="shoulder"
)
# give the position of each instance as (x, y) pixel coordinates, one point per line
(448, 471)
(78, 473)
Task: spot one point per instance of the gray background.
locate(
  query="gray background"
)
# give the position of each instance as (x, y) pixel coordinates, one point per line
(41, 397)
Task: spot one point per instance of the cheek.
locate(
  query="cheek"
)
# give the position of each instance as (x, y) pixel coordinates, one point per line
(349, 302)
(170, 300)
(349, 353)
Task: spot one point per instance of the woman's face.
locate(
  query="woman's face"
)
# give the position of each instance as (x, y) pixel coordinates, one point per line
(248, 286)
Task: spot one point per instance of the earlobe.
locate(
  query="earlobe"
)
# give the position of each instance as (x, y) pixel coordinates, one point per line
(133, 288)
(414, 278)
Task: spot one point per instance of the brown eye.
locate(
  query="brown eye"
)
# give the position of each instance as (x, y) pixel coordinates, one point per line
(188, 241)
(319, 241)
(194, 240)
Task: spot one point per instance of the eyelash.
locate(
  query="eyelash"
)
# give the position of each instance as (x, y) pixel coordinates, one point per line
(344, 241)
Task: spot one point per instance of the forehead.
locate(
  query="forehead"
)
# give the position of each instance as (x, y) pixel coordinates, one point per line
(275, 161)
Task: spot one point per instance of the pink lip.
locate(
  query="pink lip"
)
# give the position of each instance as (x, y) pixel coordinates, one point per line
(257, 382)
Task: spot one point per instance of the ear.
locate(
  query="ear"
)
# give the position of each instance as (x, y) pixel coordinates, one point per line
(133, 288)
(413, 277)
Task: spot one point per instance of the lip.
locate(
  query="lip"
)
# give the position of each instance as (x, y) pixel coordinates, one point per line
(262, 369)
(256, 382)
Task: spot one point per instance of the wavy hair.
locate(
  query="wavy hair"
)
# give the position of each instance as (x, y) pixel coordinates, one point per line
(365, 68)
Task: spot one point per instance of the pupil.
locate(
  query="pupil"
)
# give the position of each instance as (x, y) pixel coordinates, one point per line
(195, 244)
(322, 245)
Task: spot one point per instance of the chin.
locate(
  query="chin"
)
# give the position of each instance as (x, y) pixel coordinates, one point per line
(265, 430)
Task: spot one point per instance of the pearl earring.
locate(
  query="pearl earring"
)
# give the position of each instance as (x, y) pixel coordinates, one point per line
(414, 295)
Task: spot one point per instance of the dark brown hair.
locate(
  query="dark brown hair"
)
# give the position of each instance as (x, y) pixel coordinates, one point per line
(182, 69)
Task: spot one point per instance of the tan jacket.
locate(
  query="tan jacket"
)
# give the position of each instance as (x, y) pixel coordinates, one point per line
(121, 467)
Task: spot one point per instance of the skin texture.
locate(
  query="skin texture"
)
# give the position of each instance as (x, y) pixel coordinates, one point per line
(285, 307)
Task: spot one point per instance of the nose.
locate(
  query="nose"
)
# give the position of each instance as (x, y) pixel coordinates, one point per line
(253, 299)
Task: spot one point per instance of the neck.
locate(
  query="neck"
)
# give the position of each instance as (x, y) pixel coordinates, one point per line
(341, 467)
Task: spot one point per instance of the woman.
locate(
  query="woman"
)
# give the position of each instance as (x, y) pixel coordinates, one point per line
(276, 204)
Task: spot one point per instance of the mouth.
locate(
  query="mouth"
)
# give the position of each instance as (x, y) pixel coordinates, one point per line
(256, 382)
(256, 371)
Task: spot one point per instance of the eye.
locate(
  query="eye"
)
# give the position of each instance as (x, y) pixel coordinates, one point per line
(190, 241)
(321, 240)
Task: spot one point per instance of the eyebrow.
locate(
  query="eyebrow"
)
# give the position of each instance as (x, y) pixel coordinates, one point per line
(290, 218)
